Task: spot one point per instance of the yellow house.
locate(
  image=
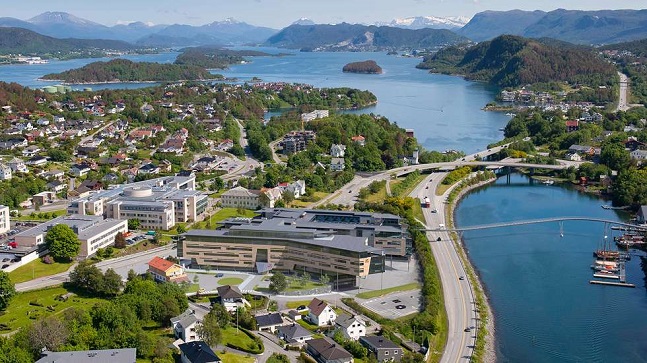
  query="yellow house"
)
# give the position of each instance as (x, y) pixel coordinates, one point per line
(166, 271)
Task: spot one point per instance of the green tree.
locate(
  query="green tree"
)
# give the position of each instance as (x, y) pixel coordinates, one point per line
(180, 229)
(133, 224)
(7, 290)
(223, 317)
(278, 282)
(131, 274)
(49, 332)
(87, 277)
(324, 279)
(120, 240)
(112, 283)
(62, 242)
(615, 156)
(278, 358)
(218, 183)
(209, 330)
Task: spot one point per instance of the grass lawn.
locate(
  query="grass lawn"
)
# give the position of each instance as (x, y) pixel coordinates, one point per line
(237, 338)
(230, 281)
(307, 325)
(295, 285)
(417, 211)
(315, 197)
(296, 304)
(36, 269)
(20, 313)
(192, 288)
(376, 293)
(234, 358)
(413, 185)
(442, 188)
(217, 194)
(221, 215)
(377, 197)
(38, 216)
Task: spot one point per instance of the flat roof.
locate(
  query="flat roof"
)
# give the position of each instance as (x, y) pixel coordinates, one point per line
(127, 355)
(85, 226)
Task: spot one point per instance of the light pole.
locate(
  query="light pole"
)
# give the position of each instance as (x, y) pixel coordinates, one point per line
(383, 268)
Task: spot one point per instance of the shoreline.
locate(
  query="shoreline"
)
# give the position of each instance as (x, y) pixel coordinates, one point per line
(489, 351)
(63, 82)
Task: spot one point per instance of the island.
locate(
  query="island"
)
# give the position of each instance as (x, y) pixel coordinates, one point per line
(367, 67)
(215, 58)
(123, 70)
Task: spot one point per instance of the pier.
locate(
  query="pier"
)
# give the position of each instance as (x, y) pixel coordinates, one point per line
(611, 283)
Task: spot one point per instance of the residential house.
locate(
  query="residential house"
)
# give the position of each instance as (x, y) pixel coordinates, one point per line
(205, 163)
(269, 322)
(581, 150)
(294, 334)
(338, 150)
(325, 350)
(633, 144)
(184, 326)
(320, 313)
(17, 166)
(351, 326)
(5, 172)
(166, 271)
(384, 349)
(240, 197)
(572, 125)
(37, 161)
(226, 144)
(573, 157)
(231, 297)
(80, 169)
(54, 174)
(359, 139)
(297, 188)
(273, 196)
(337, 164)
(638, 155)
(149, 168)
(56, 186)
(197, 352)
(126, 355)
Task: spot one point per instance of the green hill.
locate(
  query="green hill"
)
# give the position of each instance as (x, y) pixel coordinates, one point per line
(510, 61)
(123, 70)
(23, 41)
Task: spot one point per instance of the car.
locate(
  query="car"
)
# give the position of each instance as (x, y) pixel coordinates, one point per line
(5, 265)
(220, 275)
(461, 278)
(438, 239)
(463, 159)
(5, 259)
(397, 301)
(434, 211)
(467, 330)
(350, 191)
(301, 307)
(427, 187)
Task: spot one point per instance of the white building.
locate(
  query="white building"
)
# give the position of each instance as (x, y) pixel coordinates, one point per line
(351, 326)
(338, 150)
(4, 219)
(307, 117)
(184, 326)
(337, 164)
(93, 231)
(639, 155)
(17, 166)
(240, 197)
(320, 313)
(5, 172)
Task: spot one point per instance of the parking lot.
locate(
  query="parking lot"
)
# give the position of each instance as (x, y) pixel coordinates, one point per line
(395, 305)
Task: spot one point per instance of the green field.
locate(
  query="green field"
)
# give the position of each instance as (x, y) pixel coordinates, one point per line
(20, 313)
(234, 358)
(377, 293)
(230, 281)
(36, 269)
(41, 216)
(236, 337)
(296, 304)
(221, 215)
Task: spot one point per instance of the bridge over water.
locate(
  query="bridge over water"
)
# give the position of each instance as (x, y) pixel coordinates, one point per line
(538, 221)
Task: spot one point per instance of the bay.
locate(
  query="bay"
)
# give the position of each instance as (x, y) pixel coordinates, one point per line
(538, 282)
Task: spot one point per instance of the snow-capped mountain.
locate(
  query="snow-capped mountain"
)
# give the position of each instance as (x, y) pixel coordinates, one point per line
(303, 21)
(434, 22)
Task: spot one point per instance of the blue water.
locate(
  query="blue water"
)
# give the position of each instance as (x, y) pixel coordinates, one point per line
(538, 283)
(445, 112)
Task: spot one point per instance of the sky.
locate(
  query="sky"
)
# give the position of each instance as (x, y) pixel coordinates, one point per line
(281, 13)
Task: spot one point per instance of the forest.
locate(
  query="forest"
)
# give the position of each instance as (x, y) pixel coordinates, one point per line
(369, 67)
(214, 58)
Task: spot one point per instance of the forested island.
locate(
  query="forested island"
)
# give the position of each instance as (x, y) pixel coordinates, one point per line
(367, 67)
(123, 70)
(214, 58)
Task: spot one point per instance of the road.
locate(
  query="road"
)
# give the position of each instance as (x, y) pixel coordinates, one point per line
(121, 265)
(275, 156)
(457, 293)
(622, 97)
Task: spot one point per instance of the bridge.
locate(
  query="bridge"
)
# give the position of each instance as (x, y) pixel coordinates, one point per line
(538, 221)
(456, 164)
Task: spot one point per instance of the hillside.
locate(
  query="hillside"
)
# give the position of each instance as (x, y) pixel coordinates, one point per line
(574, 26)
(18, 40)
(214, 58)
(346, 36)
(511, 61)
(122, 70)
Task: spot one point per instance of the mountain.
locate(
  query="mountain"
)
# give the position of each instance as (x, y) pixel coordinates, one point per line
(225, 32)
(490, 24)
(64, 25)
(433, 22)
(135, 30)
(346, 36)
(303, 21)
(574, 26)
(511, 61)
(18, 40)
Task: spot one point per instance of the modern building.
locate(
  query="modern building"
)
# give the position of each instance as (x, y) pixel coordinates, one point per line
(166, 271)
(296, 141)
(126, 355)
(307, 117)
(4, 219)
(240, 197)
(325, 350)
(94, 232)
(157, 203)
(197, 352)
(384, 349)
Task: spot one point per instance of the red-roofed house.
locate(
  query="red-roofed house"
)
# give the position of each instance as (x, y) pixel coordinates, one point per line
(320, 313)
(359, 139)
(572, 125)
(166, 271)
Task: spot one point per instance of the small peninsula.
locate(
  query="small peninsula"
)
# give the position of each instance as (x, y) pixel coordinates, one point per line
(123, 70)
(367, 67)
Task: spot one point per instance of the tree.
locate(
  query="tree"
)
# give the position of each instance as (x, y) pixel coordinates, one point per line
(288, 196)
(209, 330)
(180, 229)
(87, 277)
(218, 183)
(7, 290)
(324, 279)
(278, 282)
(62, 242)
(49, 333)
(131, 274)
(278, 358)
(223, 317)
(120, 240)
(615, 156)
(134, 224)
(112, 283)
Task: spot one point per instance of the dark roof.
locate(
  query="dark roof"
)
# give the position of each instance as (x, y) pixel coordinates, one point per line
(378, 342)
(126, 355)
(317, 306)
(294, 331)
(229, 292)
(198, 352)
(269, 319)
(80, 166)
(327, 349)
(149, 166)
(185, 173)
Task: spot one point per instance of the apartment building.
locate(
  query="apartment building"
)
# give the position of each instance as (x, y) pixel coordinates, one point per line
(4, 219)
(240, 197)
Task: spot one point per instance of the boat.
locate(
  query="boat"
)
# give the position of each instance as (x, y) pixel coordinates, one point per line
(607, 254)
(606, 275)
(548, 182)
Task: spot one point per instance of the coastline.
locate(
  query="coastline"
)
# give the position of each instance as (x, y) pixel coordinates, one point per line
(489, 352)
(117, 82)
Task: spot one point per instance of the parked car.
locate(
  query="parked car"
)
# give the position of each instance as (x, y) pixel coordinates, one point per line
(5, 265)
(220, 275)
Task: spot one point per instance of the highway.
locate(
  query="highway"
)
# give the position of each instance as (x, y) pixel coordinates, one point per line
(622, 97)
(456, 292)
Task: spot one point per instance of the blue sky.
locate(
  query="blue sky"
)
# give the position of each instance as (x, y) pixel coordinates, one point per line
(280, 13)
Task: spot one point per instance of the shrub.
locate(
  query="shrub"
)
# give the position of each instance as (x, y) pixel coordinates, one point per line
(47, 259)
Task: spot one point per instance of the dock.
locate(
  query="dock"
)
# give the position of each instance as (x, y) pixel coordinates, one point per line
(607, 276)
(611, 283)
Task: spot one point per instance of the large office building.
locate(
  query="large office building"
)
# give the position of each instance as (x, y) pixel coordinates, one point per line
(157, 203)
(94, 232)
(345, 246)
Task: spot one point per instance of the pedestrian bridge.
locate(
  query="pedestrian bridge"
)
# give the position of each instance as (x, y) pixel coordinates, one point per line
(457, 164)
(538, 221)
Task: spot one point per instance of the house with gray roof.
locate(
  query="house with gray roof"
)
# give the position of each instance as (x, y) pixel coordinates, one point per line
(127, 355)
(351, 326)
(269, 322)
(325, 350)
(294, 334)
(384, 349)
(184, 326)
